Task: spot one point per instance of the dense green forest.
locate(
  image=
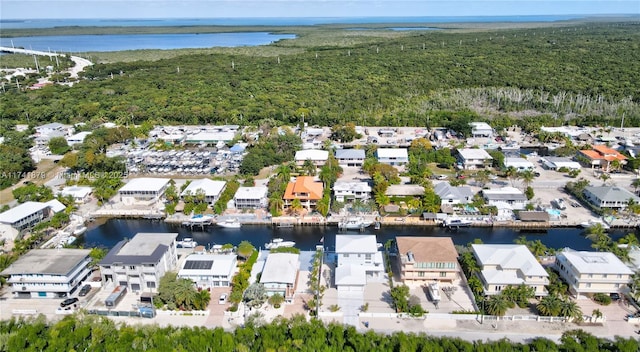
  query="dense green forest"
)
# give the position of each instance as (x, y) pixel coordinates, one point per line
(587, 72)
(90, 333)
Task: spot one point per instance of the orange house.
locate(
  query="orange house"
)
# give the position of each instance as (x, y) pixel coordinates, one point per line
(304, 188)
(601, 156)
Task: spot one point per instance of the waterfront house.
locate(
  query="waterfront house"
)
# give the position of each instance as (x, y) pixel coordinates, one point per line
(557, 163)
(450, 195)
(209, 188)
(602, 157)
(392, 156)
(80, 194)
(350, 157)
(474, 158)
(143, 189)
(251, 197)
(280, 274)
(26, 215)
(357, 250)
(427, 259)
(141, 262)
(509, 197)
(317, 157)
(481, 129)
(588, 273)
(520, 164)
(77, 138)
(209, 270)
(345, 191)
(305, 189)
(611, 197)
(504, 265)
(48, 273)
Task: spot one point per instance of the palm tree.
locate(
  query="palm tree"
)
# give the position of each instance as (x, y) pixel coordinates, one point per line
(570, 309)
(414, 204)
(276, 300)
(596, 314)
(284, 172)
(382, 200)
(185, 293)
(309, 168)
(604, 177)
(497, 305)
(629, 239)
(635, 285)
(599, 237)
(550, 305)
(322, 207)
(614, 165)
(636, 184)
(245, 249)
(512, 174)
(276, 203)
(296, 206)
(202, 300)
(527, 177)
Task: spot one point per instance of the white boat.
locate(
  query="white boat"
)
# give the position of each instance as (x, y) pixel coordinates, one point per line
(354, 223)
(230, 224)
(511, 146)
(593, 222)
(456, 223)
(278, 243)
(79, 230)
(187, 242)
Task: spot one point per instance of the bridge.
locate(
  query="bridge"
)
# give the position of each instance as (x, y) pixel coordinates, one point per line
(80, 63)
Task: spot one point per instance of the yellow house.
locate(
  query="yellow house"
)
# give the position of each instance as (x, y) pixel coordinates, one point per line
(427, 259)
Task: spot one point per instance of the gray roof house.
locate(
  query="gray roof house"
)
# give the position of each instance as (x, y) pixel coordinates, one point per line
(139, 263)
(609, 196)
(453, 195)
(350, 157)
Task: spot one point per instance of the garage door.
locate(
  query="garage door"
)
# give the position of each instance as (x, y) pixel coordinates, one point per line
(350, 288)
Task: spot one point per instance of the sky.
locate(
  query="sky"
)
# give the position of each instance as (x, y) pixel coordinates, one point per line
(116, 9)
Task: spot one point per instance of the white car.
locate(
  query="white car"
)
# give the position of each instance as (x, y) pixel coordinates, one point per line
(442, 177)
(222, 299)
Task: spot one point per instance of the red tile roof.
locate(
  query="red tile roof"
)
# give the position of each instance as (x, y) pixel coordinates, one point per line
(304, 184)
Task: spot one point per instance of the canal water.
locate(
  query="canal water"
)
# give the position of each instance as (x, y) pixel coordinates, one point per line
(107, 234)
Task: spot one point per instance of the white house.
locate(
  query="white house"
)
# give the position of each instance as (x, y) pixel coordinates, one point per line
(280, 273)
(556, 163)
(211, 189)
(48, 273)
(520, 164)
(481, 129)
(450, 195)
(141, 262)
(592, 272)
(143, 189)
(392, 156)
(349, 191)
(317, 157)
(25, 215)
(503, 265)
(251, 197)
(209, 270)
(510, 197)
(358, 250)
(350, 157)
(612, 197)
(474, 158)
(77, 138)
(80, 194)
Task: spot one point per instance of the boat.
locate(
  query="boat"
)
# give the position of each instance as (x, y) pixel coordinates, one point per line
(354, 223)
(456, 223)
(511, 146)
(285, 225)
(279, 243)
(79, 230)
(230, 224)
(593, 222)
(187, 242)
(377, 225)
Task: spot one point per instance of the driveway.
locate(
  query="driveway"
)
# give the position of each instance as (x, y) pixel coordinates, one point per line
(350, 303)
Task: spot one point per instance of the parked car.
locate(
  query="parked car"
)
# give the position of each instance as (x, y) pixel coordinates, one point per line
(222, 299)
(614, 296)
(69, 301)
(84, 290)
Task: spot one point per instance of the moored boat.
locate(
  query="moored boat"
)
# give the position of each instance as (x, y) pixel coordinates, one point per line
(593, 222)
(278, 243)
(354, 223)
(230, 224)
(187, 242)
(456, 223)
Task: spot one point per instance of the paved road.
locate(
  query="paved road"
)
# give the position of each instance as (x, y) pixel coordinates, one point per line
(80, 63)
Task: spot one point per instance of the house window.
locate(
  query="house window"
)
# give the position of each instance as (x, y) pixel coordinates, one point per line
(420, 273)
(591, 276)
(616, 285)
(604, 276)
(588, 285)
(151, 284)
(346, 255)
(132, 267)
(443, 274)
(367, 256)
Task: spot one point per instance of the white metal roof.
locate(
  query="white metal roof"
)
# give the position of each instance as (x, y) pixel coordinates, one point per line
(356, 244)
(351, 275)
(222, 264)
(259, 192)
(392, 153)
(473, 154)
(280, 268)
(595, 262)
(145, 184)
(509, 257)
(76, 191)
(55, 205)
(60, 261)
(518, 162)
(355, 186)
(20, 212)
(312, 154)
(211, 188)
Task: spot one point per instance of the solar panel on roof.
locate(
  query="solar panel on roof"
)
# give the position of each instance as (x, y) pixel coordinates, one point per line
(198, 264)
